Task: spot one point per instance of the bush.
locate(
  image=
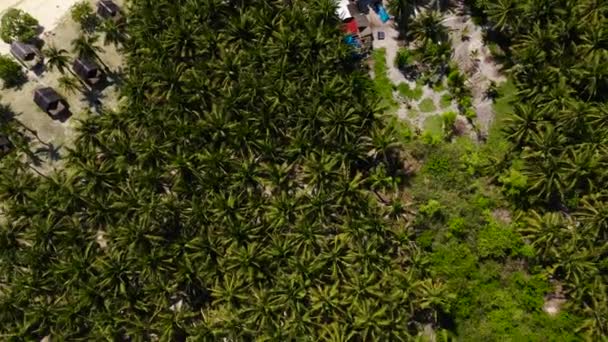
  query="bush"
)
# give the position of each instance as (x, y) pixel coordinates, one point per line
(10, 72)
(427, 105)
(82, 13)
(409, 93)
(404, 58)
(449, 118)
(17, 25)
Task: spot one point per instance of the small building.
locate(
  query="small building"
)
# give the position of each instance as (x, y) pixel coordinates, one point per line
(342, 10)
(27, 54)
(107, 9)
(87, 70)
(51, 103)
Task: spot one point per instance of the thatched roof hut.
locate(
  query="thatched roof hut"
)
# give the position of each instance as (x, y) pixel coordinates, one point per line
(87, 70)
(107, 9)
(26, 53)
(50, 102)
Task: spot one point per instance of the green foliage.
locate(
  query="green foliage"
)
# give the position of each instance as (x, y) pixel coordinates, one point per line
(431, 209)
(403, 58)
(445, 101)
(17, 25)
(514, 183)
(496, 241)
(11, 72)
(383, 85)
(82, 13)
(427, 105)
(434, 125)
(244, 191)
(409, 93)
(449, 118)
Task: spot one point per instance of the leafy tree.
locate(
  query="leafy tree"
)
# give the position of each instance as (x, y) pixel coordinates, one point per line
(17, 25)
(11, 72)
(82, 13)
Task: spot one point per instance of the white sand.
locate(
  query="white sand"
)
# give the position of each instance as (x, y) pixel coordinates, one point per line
(47, 12)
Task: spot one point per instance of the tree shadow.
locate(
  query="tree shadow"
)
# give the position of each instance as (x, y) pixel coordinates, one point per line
(52, 151)
(115, 77)
(6, 112)
(93, 97)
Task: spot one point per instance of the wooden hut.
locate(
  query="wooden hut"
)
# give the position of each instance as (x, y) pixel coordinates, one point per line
(51, 103)
(87, 70)
(27, 54)
(107, 9)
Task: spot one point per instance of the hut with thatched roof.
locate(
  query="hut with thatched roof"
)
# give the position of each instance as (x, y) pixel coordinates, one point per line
(107, 9)
(51, 103)
(87, 70)
(27, 54)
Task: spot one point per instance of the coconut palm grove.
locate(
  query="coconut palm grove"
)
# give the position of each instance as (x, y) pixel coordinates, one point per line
(258, 181)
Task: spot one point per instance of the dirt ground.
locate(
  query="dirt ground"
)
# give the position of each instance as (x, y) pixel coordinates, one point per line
(54, 132)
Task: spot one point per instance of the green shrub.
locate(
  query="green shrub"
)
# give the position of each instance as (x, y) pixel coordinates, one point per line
(383, 84)
(409, 93)
(427, 105)
(457, 226)
(434, 124)
(17, 25)
(446, 100)
(514, 183)
(82, 13)
(11, 72)
(449, 118)
(403, 58)
(431, 209)
(496, 241)
(437, 165)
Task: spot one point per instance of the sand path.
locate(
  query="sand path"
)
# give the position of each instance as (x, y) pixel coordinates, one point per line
(475, 59)
(48, 13)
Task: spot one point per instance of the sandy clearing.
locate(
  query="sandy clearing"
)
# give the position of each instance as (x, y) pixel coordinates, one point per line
(48, 13)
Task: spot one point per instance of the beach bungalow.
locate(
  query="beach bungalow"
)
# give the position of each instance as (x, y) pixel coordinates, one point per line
(87, 70)
(27, 54)
(51, 103)
(107, 9)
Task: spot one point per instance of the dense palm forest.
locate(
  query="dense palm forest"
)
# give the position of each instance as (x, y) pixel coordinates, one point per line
(557, 54)
(250, 188)
(227, 199)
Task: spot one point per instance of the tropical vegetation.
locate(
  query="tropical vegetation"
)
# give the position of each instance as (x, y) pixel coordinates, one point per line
(255, 185)
(17, 25)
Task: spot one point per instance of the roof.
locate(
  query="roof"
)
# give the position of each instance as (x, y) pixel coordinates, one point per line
(23, 51)
(107, 8)
(350, 26)
(85, 68)
(342, 10)
(361, 20)
(46, 98)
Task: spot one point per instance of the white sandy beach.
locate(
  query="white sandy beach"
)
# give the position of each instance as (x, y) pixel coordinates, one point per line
(47, 12)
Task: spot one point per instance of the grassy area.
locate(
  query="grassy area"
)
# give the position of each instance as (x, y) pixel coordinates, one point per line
(434, 125)
(407, 92)
(427, 106)
(445, 101)
(382, 83)
(503, 107)
(413, 114)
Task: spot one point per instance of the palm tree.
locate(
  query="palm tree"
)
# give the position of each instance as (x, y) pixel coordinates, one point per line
(57, 59)
(504, 14)
(403, 10)
(84, 46)
(428, 27)
(113, 32)
(69, 84)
